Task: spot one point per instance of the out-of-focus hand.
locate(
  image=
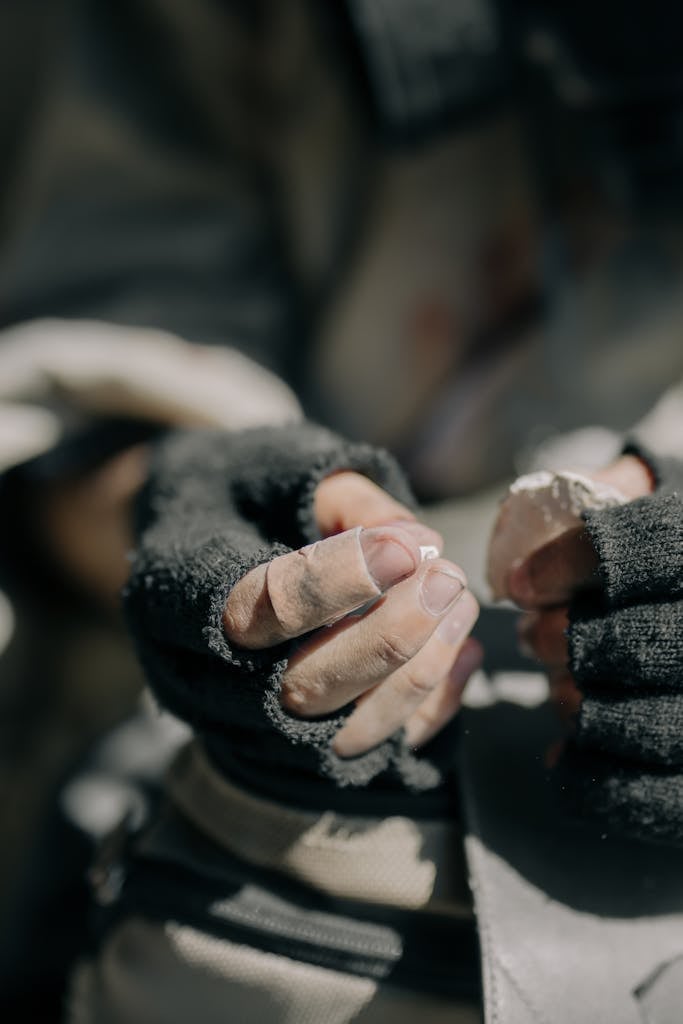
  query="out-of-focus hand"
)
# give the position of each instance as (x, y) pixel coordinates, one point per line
(86, 523)
(545, 583)
(405, 659)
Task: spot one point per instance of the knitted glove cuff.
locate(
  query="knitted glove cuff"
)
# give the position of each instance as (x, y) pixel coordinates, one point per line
(274, 472)
(217, 505)
(626, 653)
(645, 729)
(640, 547)
(618, 795)
(638, 648)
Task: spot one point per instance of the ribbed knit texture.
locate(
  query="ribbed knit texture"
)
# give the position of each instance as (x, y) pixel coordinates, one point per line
(215, 506)
(625, 766)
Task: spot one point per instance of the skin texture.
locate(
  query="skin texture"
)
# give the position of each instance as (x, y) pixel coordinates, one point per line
(405, 660)
(551, 576)
(403, 663)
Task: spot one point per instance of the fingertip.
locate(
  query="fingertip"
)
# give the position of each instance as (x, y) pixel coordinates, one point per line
(469, 659)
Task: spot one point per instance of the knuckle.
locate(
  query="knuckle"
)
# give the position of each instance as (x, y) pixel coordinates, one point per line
(549, 640)
(300, 696)
(294, 698)
(234, 617)
(417, 684)
(392, 650)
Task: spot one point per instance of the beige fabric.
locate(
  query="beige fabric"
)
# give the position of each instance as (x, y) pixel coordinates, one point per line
(397, 861)
(168, 973)
(57, 372)
(662, 428)
(154, 974)
(571, 920)
(56, 375)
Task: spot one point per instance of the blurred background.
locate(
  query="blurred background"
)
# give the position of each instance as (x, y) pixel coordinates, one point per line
(453, 228)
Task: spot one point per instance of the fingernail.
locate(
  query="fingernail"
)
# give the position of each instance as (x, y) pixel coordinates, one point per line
(387, 560)
(439, 589)
(457, 625)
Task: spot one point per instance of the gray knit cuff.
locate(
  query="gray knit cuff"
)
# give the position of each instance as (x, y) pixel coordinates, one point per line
(646, 729)
(620, 795)
(640, 547)
(634, 648)
(217, 505)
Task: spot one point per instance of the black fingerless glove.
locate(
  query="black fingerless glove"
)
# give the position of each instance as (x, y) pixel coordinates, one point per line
(625, 766)
(216, 505)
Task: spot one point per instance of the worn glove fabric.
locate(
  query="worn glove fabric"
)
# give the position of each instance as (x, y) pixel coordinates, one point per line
(215, 506)
(625, 765)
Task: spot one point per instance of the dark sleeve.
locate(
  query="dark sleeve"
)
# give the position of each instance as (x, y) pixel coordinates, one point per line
(217, 505)
(625, 766)
(140, 200)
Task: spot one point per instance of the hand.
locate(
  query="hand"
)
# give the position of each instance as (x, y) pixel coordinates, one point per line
(546, 582)
(404, 660)
(85, 523)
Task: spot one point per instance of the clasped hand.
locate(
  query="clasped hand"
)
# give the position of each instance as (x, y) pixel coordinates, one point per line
(378, 624)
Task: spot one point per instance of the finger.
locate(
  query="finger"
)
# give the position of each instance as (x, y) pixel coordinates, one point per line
(339, 664)
(554, 752)
(317, 584)
(555, 572)
(347, 499)
(629, 474)
(543, 635)
(440, 706)
(424, 683)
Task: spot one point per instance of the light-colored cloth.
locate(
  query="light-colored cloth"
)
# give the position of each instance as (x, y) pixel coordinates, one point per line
(173, 974)
(169, 970)
(573, 925)
(397, 861)
(59, 375)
